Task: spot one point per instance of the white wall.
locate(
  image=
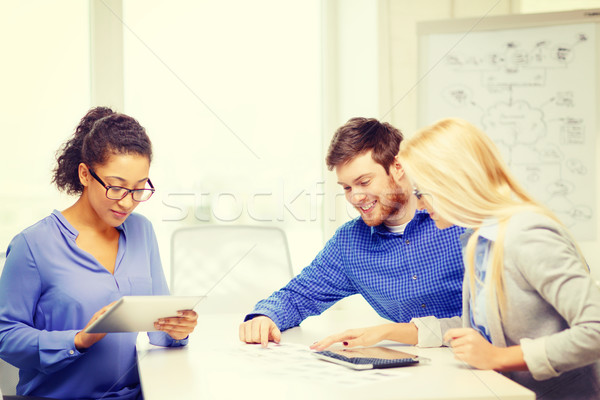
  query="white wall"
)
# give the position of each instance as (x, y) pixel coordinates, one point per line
(540, 6)
(351, 27)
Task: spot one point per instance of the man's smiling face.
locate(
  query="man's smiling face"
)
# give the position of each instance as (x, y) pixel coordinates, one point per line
(375, 194)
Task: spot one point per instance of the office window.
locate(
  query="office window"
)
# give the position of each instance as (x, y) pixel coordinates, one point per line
(44, 80)
(230, 93)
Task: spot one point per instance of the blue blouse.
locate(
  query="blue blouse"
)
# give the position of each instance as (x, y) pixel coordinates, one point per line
(483, 250)
(50, 289)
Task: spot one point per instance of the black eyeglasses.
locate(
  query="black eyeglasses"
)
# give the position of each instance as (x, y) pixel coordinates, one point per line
(119, 193)
(423, 196)
(417, 193)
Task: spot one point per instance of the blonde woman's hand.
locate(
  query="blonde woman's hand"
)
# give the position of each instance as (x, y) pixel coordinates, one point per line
(354, 337)
(402, 332)
(472, 348)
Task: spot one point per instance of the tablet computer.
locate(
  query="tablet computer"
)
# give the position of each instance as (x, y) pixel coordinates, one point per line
(138, 313)
(368, 357)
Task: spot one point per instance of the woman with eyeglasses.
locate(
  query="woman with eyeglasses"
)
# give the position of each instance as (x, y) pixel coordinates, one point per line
(62, 273)
(530, 307)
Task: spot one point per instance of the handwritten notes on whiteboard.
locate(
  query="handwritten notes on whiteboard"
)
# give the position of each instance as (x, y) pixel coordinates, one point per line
(533, 90)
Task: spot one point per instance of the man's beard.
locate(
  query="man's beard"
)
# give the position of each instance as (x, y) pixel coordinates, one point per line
(394, 206)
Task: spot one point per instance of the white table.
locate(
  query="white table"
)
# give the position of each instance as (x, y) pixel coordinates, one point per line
(215, 365)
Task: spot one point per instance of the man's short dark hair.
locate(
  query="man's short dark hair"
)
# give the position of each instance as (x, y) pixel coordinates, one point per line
(360, 135)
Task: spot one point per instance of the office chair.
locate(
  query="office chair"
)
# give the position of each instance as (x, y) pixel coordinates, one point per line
(234, 266)
(9, 375)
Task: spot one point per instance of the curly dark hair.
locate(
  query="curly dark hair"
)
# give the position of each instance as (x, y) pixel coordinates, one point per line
(359, 135)
(100, 133)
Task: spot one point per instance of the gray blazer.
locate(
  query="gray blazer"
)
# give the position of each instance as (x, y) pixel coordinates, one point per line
(552, 311)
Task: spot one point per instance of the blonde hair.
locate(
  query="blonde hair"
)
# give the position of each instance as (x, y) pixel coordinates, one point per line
(463, 170)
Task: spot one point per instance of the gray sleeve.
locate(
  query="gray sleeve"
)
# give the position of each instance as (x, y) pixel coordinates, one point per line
(548, 259)
(431, 330)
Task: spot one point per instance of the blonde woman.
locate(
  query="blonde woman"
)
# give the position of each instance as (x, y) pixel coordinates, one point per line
(530, 306)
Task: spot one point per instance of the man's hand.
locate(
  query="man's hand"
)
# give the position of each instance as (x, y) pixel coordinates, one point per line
(261, 330)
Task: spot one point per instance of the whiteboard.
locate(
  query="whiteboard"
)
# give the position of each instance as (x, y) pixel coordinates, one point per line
(533, 90)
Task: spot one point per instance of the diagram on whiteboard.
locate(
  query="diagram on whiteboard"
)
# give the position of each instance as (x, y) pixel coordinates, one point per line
(533, 91)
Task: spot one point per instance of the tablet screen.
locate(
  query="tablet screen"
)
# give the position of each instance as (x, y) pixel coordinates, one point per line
(368, 357)
(138, 313)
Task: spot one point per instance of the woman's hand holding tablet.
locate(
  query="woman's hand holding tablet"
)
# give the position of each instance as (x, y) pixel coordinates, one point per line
(144, 313)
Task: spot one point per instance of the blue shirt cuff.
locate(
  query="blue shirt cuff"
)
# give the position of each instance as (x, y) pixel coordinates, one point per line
(254, 315)
(164, 340)
(265, 313)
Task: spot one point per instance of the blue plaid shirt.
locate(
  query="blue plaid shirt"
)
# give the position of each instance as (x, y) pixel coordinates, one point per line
(416, 274)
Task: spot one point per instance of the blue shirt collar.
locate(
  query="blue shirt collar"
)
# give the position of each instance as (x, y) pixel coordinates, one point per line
(382, 230)
(71, 229)
(488, 231)
(63, 221)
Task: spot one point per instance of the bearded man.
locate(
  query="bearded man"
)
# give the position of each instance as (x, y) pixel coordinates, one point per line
(393, 254)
